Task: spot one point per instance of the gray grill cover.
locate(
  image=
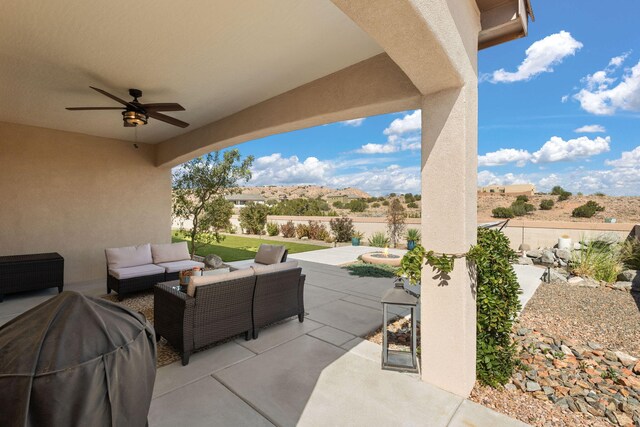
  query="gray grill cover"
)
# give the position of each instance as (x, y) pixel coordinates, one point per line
(75, 360)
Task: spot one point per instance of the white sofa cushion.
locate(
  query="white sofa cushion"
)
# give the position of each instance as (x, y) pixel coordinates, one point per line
(195, 281)
(172, 267)
(169, 252)
(269, 254)
(137, 271)
(265, 269)
(129, 256)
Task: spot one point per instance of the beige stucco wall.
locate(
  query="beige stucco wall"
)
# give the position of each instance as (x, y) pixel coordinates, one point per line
(77, 195)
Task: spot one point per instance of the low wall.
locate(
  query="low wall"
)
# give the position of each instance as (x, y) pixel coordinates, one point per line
(535, 233)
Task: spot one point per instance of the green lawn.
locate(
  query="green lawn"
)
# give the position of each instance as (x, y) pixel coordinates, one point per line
(237, 248)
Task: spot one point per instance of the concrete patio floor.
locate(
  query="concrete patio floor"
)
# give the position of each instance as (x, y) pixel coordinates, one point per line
(316, 373)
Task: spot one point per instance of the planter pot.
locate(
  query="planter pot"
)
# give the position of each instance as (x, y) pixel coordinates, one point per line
(565, 243)
(411, 244)
(355, 241)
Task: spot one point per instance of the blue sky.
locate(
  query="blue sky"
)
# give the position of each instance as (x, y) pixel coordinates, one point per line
(559, 107)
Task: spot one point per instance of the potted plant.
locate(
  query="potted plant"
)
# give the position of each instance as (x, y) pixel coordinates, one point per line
(356, 237)
(413, 237)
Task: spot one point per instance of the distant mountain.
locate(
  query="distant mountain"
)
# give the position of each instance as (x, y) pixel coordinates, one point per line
(296, 191)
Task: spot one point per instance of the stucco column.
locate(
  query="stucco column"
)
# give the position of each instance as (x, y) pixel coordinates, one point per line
(449, 162)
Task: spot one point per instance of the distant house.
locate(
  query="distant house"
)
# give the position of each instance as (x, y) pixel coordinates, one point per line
(240, 200)
(341, 197)
(514, 189)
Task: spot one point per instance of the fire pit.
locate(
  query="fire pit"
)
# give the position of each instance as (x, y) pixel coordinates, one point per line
(383, 257)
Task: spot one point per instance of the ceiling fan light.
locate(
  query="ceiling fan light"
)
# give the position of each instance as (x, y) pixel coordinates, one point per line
(134, 118)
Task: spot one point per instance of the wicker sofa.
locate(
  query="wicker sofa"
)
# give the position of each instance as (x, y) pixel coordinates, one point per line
(135, 268)
(225, 305)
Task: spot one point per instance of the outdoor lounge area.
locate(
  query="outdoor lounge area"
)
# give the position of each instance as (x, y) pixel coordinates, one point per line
(85, 167)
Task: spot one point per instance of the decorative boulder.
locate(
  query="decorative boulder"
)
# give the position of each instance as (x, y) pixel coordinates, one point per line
(628, 275)
(213, 261)
(547, 257)
(75, 360)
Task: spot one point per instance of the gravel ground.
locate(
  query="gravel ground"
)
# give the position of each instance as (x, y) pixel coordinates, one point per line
(528, 409)
(602, 315)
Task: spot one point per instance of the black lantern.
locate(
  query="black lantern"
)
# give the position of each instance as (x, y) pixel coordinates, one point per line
(399, 360)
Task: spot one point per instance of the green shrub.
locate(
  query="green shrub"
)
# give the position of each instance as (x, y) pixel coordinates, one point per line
(408, 198)
(362, 269)
(587, 210)
(302, 230)
(357, 205)
(288, 229)
(273, 229)
(375, 205)
(301, 207)
(599, 194)
(342, 228)
(253, 217)
(338, 204)
(385, 203)
(412, 205)
(630, 253)
(564, 196)
(546, 204)
(378, 240)
(598, 259)
(417, 197)
(502, 213)
(413, 234)
(497, 307)
(557, 191)
(522, 199)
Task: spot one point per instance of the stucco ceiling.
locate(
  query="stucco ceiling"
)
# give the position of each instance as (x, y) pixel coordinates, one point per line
(213, 57)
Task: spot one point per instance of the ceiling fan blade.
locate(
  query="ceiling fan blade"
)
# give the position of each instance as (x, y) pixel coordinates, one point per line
(163, 106)
(115, 98)
(94, 108)
(167, 119)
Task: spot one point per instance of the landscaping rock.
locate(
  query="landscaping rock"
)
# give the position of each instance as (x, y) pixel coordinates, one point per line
(524, 247)
(535, 253)
(575, 280)
(525, 261)
(533, 386)
(563, 254)
(625, 358)
(622, 286)
(213, 261)
(547, 257)
(557, 276)
(628, 275)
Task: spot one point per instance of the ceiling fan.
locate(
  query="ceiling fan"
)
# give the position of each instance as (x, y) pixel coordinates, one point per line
(136, 113)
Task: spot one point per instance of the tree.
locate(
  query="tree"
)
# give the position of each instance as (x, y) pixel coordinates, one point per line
(253, 217)
(357, 205)
(396, 214)
(199, 190)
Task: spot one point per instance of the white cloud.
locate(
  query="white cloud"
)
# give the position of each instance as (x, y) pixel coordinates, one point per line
(557, 149)
(277, 170)
(541, 56)
(628, 159)
(591, 129)
(377, 148)
(489, 178)
(504, 156)
(600, 96)
(409, 123)
(564, 99)
(354, 122)
(402, 134)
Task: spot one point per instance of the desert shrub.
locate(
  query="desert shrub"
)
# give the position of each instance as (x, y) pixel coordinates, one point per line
(317, 231)
(557, 190)
(392, 194)
(502, 212)
(630, 253)
(288, 229)
(497, 307)
(301, 207)
(599, 194)
(564, 196)
(342, 228)
(521, 208)
(378, 240)
(253, 218)
(546, 204)
(302, 230)
(273, 229)
(522, 198)
(412, 205)
(338, 204)
(598, 259)
(375, 205)
(385, 203)
(272, 202)
(357, 205)
(362, 269)
(408, 198)
(587, 210)
(417, 197)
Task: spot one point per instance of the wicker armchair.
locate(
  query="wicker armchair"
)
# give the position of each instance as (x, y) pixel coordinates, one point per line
(215, 312)
(277, 296)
